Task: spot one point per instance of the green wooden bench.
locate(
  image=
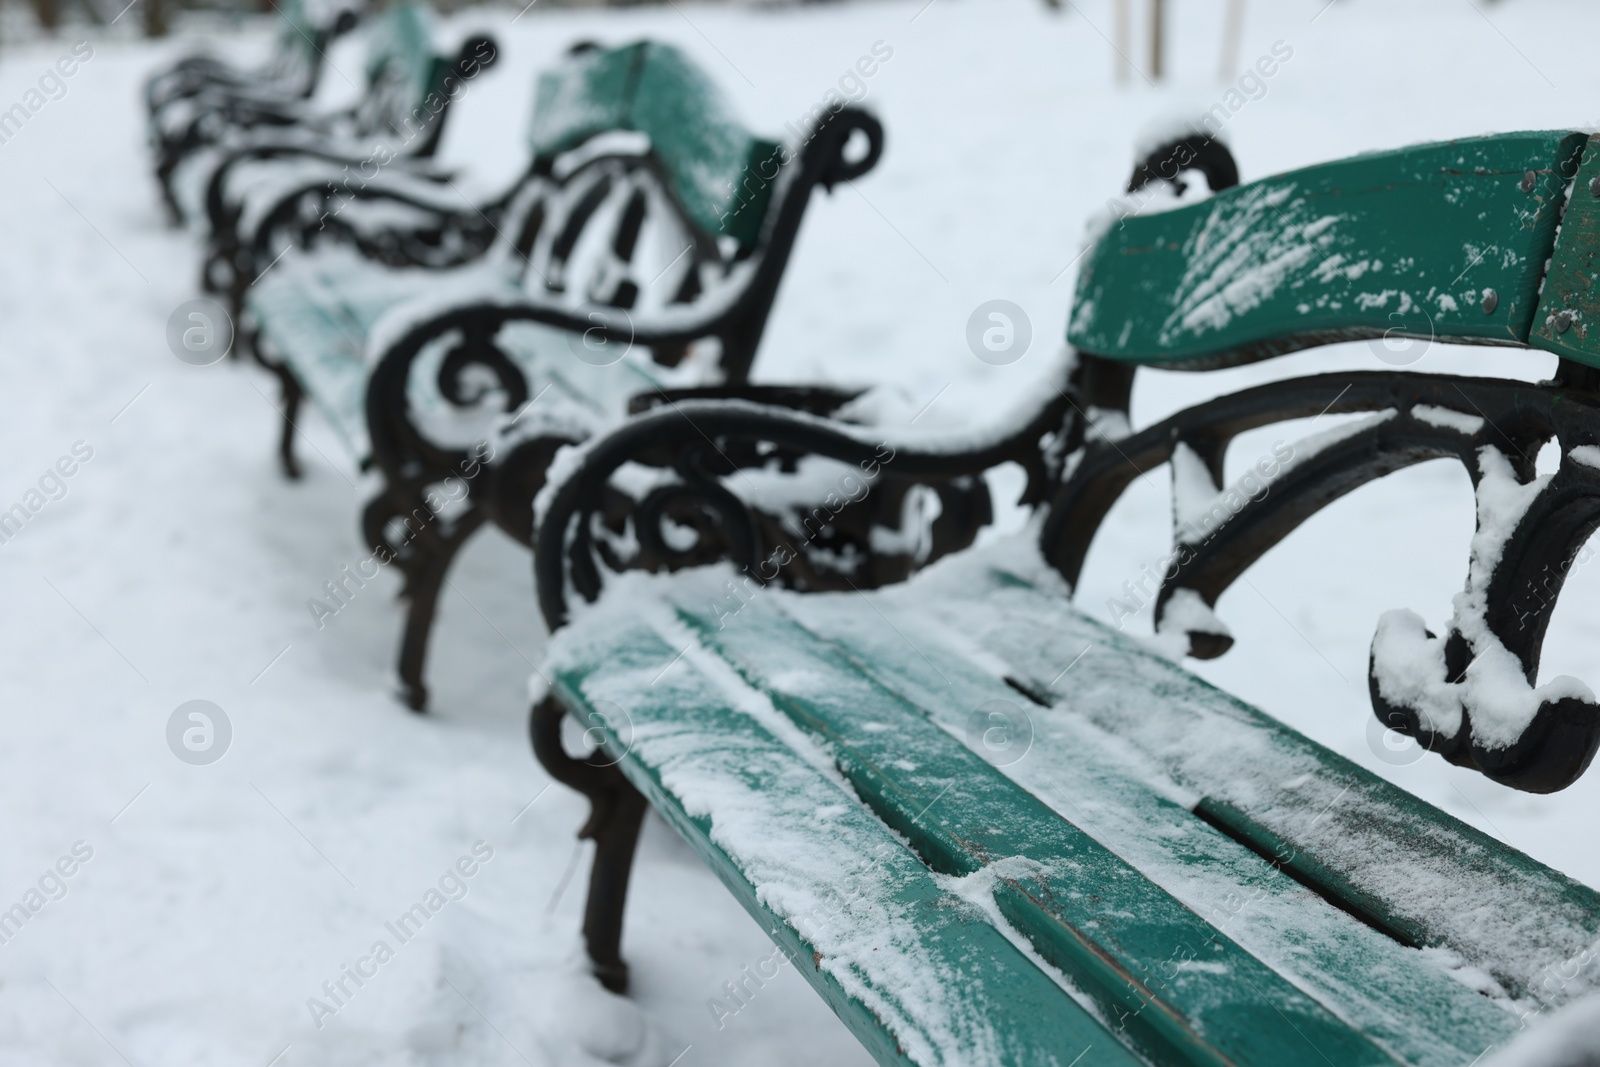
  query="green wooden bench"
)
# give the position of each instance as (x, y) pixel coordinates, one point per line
(990, 828)
(202, 91)
(291, 72)
(466, 344)
(204, 144)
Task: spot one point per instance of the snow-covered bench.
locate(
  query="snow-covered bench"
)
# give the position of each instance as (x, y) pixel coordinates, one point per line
(292, 72)
(204, 141)
(990, 828)
(640, 252)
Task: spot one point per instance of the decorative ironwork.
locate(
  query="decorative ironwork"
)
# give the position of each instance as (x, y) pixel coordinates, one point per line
(854, 531)
(220, 94)
(724, 297)
(232, 261)
(733, 314)
(1530, 528)
(615, 814)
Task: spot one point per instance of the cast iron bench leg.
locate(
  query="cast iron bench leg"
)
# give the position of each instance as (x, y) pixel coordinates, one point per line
(617, 810)
(292, 395)
(425, 562)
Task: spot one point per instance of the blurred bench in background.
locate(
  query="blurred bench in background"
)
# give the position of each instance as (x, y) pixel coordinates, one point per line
(648, 223)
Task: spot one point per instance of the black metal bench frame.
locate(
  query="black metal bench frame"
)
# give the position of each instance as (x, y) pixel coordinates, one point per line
(273, 95)
(411, 462)
(284, 74)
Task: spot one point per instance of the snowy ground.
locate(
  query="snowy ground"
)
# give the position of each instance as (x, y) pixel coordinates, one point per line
(218, 899)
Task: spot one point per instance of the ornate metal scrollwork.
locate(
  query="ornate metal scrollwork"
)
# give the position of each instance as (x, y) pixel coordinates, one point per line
(736, 320)
(1470, 695)
(577, 231)
(690, 500)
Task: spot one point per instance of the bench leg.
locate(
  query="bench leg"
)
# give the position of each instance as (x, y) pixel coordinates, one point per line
(292, 395)
(422, 545)
(616, 812)
(169, 198)
(425, 562)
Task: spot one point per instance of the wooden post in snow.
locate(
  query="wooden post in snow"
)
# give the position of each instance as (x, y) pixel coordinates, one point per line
(1232, 34)
(155, 18)
(1158, 18)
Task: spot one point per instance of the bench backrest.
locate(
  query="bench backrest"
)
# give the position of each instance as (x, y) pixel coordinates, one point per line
(645, 194)
(1455, 242)
(300, 37)
(405, 77)
(1444, 241)
(721, 175)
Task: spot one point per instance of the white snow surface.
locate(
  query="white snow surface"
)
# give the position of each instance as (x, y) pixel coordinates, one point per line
(177, 565)
(1448, 418)
(1566, 1038)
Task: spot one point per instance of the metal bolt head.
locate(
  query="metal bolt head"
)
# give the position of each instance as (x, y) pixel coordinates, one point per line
(1563, 321)
(1529, 179)
(1491, 300)
(1594, 185)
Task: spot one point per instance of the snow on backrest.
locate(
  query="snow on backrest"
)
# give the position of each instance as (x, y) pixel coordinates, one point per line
(402, 68)
(1445, 240)
(720, 175)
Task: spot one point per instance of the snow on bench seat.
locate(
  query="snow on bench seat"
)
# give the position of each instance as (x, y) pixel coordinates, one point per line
(918, 972)
(1210, 880)
(1419, 874)
(320, 313)
(1213, 883)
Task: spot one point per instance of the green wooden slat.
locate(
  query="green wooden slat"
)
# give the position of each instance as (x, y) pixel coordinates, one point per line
(1571, 298)
(1424, 873)
(720, 173)
(299, 29)
(1408, 240)
(318, 313)
(401, 44)
(918, 975)
(1407, 1004)
(587, 95)
(1181, 990)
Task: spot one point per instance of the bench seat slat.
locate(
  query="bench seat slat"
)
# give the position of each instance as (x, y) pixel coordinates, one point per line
(1419, 870)
(1411, 1006)
(1409, 240)
(1115, 932)
(916, 972)
(319, 312)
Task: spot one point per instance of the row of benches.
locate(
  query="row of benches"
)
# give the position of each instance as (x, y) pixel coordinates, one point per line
(988, 828)
(639, 253)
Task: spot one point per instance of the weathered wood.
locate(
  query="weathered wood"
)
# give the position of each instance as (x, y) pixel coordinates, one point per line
(917, 973)
(1444, 240)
